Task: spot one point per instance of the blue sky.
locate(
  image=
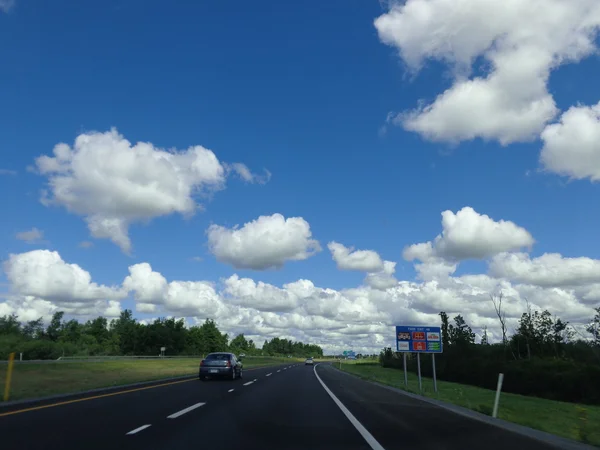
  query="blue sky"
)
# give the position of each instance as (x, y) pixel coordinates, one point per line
(300, 89)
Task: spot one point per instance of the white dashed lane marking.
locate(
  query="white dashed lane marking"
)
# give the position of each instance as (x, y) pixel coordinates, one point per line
(248, 383)
(231, 390)
(137, 430)
(184, 411)
(269, 374)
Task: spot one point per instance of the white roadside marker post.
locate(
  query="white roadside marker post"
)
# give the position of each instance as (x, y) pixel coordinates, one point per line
(497, 400)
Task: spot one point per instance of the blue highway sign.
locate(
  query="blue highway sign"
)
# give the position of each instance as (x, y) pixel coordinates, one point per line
(418, 339)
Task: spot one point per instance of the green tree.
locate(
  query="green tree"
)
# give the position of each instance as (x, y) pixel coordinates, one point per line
(10, 325)
(445, 329)
(72, 331)
(461, 334)
(594, 327)
(484, 337)
(212, 339)
(126, 328)
(54, 329)
(98, 328)
(239, 344)
(34, 329)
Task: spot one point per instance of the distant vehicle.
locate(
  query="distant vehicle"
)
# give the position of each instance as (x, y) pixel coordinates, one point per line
(309, 361)
(220, 365)
(242, 355)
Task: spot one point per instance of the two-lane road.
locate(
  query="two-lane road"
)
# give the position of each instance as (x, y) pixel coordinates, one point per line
(284, 407)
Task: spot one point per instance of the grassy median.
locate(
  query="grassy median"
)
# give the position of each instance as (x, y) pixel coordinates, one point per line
(570, 420)
(40, 380)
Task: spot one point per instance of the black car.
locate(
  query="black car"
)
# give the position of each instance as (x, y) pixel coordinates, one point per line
(220, 365)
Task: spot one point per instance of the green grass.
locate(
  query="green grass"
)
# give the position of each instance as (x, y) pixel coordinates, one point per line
(570, 420)
(39, 380)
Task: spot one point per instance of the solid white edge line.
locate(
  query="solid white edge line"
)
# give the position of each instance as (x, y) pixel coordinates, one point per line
(137, 430)
(368, 437)
(186, 410)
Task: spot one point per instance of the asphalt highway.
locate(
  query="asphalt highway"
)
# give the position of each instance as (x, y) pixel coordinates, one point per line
(284, 407)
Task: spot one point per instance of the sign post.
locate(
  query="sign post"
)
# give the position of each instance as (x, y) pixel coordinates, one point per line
(419, 340)
(434, 377)
(419, 372)
(497, 399)
(405, 372)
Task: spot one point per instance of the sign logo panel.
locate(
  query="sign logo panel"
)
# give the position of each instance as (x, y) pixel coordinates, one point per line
(402, 336)
(433, 336)
(403, 346)
(419, 346)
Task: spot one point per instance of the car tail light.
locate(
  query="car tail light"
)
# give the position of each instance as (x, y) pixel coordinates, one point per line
(202, 362)
(228, 363)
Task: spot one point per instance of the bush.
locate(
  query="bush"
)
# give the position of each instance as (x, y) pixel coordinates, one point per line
(479, 365)
(9, 344)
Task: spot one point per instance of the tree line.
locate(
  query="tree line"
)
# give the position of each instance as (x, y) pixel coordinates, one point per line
(543, 357)
(126, 336)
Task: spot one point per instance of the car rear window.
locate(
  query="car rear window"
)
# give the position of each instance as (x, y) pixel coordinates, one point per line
(221, 356)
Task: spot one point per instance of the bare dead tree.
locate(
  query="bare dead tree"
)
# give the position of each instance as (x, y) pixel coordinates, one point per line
(527, 334)
(497, 302)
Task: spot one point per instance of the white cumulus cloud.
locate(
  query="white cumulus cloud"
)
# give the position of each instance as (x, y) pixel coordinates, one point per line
(44, 274)
(264, 243)
(347, 258)
(152, 291)
(262, 296)
(361, 317)
(550, 269)
(384, 278)
(112, 183)
(520, 43)
(572, 146)
(469, 235)
(41, 282)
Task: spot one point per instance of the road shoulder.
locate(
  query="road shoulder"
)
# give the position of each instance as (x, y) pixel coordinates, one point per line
(540, 436)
